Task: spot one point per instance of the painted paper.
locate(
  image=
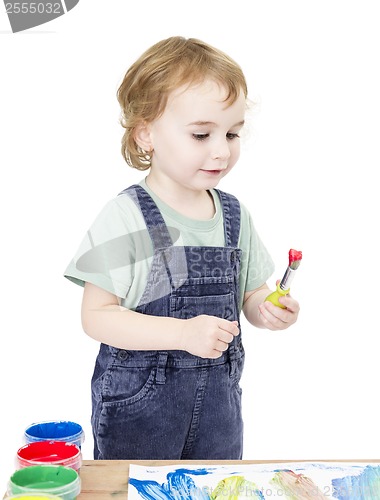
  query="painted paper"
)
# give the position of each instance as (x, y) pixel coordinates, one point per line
(288, 481)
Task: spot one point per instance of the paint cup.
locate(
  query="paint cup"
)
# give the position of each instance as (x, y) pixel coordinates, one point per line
(56, 430)
(57, 480)
(49, 452)
(34, 496)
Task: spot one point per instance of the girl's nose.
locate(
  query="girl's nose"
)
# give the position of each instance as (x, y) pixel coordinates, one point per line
(221, 151)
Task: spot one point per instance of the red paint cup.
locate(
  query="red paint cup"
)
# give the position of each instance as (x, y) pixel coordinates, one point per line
(49, 452)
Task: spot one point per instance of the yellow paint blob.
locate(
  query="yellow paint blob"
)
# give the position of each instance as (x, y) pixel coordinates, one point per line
(234, 488)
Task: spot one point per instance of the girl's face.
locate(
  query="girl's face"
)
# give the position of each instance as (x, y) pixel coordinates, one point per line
(196, 142)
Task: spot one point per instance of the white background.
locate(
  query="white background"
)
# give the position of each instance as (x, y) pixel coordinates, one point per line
(308, 173)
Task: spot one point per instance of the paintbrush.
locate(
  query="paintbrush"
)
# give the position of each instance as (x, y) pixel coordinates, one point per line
(283, 288)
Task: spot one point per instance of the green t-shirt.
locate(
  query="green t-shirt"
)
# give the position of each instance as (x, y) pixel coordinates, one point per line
(116, 252)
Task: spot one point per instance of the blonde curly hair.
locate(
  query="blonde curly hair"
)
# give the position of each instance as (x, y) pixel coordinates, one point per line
(167, 65)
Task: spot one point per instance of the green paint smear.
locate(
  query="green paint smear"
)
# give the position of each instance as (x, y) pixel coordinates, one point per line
(233, 488)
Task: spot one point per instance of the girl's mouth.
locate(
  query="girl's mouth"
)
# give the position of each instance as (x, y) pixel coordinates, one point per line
(212, 172)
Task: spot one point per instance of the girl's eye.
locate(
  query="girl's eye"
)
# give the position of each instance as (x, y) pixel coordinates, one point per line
(200, 137)
(232, 136)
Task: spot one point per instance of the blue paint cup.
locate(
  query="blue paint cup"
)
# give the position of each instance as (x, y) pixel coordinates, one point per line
(56, 430)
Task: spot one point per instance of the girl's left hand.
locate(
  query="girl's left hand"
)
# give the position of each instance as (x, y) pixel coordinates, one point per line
(276, 318)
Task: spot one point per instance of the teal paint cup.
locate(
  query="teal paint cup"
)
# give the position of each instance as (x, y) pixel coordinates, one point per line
(55, 430)
(57, 480)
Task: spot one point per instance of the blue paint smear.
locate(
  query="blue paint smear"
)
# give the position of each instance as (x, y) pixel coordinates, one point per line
(179, 486)
(365, 486)
(150, 490)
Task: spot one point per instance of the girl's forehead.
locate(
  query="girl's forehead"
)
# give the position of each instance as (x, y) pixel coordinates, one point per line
(206, 88)
(209, 94)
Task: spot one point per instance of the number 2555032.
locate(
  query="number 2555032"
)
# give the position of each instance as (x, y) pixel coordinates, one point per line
(33, 8)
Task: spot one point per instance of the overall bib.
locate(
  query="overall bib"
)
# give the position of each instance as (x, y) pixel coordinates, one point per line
(172, 405)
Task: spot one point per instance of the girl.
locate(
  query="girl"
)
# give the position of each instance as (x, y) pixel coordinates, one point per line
(168, 265)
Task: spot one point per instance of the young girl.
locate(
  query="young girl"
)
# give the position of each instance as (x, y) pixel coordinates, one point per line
(168, 265)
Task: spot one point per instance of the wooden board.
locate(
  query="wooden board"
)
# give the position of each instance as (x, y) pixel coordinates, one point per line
(108, 479)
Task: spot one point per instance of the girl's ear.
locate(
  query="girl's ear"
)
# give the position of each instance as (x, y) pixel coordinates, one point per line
(142, 137)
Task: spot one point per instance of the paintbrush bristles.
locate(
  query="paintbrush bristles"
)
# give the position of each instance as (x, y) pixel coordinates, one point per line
(295, 257)
(295, 264)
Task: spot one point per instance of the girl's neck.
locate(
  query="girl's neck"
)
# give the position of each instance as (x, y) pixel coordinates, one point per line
(198, 205)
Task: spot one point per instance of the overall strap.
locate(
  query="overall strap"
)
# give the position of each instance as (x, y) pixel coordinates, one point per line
(154, 221)
(231, 213)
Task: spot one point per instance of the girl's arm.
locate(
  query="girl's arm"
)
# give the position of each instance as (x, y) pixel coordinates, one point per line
(106, 321)
(264, 314)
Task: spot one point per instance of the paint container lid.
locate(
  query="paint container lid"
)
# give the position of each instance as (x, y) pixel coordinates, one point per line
(34, 496)
(55, 430)
(49, 452)
(51, 479)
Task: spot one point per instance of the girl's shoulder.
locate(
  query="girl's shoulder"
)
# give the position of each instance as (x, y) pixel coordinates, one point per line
(118, 214)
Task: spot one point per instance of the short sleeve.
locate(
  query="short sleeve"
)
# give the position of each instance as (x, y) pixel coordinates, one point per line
(257, 264)
(107, 254)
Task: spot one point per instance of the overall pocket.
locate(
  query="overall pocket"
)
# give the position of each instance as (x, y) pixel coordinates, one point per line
(126, 385)
(185, 307)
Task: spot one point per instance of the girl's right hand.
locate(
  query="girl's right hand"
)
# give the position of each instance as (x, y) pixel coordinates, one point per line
(208, 336)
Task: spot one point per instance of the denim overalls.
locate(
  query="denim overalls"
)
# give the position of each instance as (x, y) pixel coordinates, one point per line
(173, 405)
